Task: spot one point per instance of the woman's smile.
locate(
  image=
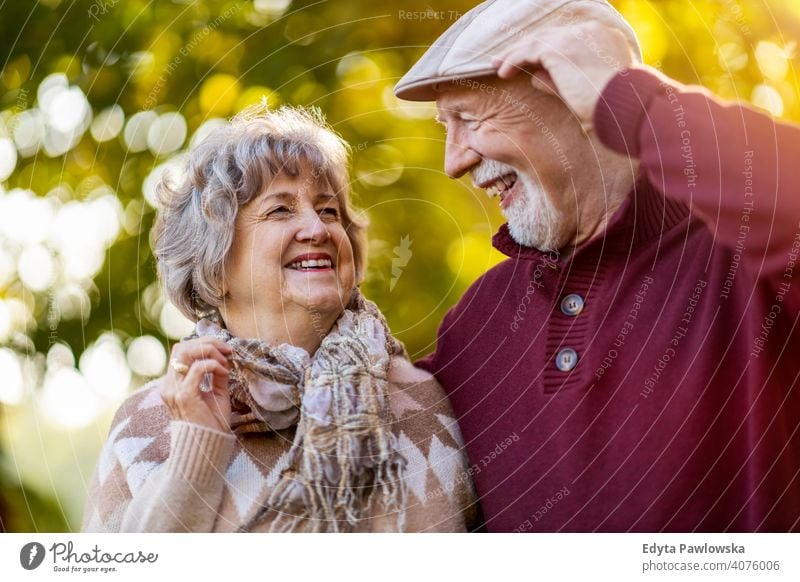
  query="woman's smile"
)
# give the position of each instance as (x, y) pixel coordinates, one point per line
(312, 263)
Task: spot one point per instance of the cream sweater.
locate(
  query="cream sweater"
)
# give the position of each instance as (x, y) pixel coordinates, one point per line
(160, 475)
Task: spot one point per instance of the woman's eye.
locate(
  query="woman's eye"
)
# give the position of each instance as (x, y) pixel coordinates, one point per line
(280, 210)
(329, 212)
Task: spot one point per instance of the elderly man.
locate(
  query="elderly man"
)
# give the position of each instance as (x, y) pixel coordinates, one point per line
(633, 365)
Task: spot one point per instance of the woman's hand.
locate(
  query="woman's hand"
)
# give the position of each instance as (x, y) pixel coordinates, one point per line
(573, 61)
(181, 390)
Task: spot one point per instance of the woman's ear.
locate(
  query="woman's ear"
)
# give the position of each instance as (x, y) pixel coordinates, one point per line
(359, 276)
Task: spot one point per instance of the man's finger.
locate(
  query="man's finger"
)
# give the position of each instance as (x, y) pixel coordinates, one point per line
(509, 68)
(503, 70)
(521, 58)
(541, 80)
(513, 62)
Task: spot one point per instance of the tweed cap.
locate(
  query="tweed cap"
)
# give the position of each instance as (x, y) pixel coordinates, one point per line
(467, 48)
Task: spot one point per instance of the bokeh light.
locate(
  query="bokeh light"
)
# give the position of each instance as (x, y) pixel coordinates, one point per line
(36, 267)
(166, 134)
(11, 388)
(8, 157)
(767, 97)
(67, 400)
(173, 323)
(25, 218)
(146, 356)
(108, 124)
(106, 370)
(172, 171)
(137, 130)
(29, 131)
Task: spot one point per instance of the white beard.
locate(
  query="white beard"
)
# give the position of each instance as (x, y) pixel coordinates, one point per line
(533, 221)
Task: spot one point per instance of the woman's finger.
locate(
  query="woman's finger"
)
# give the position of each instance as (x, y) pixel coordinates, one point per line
(200, 368)
(190, 351)
(205, 342)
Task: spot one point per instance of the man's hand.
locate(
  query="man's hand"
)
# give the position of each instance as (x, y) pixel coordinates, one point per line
(574, 61)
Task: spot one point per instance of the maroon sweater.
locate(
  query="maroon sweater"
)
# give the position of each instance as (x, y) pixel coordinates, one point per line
(683, 409)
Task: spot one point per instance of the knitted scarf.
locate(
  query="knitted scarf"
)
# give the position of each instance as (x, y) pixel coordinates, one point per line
(343, 457)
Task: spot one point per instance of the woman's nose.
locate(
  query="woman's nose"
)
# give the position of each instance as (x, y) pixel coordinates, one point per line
(312, 229)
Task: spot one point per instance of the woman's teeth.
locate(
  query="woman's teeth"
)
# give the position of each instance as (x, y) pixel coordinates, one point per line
(312, 264)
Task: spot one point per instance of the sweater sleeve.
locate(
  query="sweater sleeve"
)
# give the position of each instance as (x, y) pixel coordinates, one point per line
(733, 165)
(155, 474)
(184, 494)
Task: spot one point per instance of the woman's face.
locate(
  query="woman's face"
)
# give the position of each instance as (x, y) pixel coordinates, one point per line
(290, 253)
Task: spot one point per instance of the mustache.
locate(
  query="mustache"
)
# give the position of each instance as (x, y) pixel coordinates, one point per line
(488, 169)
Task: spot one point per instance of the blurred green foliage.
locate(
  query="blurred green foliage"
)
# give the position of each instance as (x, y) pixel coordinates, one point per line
(429, 236)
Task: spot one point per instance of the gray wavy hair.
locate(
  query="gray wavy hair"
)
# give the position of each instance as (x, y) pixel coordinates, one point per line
(194, 227)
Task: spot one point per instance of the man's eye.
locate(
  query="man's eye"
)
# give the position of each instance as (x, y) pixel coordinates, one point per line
(472, 122)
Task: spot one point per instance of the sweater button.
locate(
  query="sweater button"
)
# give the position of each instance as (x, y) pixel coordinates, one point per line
(566, 359)
(572, 304)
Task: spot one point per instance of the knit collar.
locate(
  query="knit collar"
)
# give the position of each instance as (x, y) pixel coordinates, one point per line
(644, 215)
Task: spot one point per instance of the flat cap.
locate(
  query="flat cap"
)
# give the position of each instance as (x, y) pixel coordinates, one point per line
(467, 48)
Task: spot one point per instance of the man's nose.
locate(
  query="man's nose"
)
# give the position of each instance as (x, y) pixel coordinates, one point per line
(459, 158)
(312, 228)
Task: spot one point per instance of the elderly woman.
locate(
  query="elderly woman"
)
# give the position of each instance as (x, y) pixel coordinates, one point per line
(290, 407)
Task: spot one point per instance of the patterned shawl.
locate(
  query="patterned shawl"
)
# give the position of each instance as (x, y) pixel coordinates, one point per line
(344, 454)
